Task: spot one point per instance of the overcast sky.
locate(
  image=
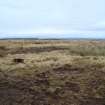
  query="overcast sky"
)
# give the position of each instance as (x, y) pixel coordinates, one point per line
(62, 18)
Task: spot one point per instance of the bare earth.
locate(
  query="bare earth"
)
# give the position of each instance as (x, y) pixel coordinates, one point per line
(52, 72)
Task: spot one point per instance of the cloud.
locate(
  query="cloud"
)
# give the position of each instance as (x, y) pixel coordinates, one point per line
(52, 16)
(11, 4)
(100, 26)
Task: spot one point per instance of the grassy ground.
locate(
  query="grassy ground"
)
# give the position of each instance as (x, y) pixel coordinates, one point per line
(52, 72)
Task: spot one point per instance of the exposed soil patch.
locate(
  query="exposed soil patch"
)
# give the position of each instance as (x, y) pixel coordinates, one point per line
(68, 69)
(72, 86)
(93, 101)
(18, 60)
(35, 50)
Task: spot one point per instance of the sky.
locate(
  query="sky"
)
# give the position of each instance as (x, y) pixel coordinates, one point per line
(52, 18)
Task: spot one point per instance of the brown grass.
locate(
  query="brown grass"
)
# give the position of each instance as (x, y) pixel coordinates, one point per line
(52, 72)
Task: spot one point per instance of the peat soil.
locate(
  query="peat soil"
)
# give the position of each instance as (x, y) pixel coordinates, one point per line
(22, 50)
(64, 85)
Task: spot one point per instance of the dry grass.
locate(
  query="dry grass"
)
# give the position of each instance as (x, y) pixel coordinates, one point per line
(52, 72)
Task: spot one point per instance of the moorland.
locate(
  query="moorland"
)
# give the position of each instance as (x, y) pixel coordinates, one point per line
(52, 72)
